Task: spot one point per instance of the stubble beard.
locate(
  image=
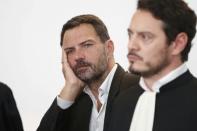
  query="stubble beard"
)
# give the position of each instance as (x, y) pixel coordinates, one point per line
(93, 72)
(152, 69)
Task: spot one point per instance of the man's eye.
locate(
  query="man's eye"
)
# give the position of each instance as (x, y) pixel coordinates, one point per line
(69, 51)
(130, 34)
(146, 37)
(87, 45)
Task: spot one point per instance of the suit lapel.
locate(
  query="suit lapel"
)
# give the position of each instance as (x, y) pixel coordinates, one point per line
(81, 113)
(114, 90)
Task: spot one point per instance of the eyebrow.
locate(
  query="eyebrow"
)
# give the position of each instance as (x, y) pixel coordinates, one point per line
(139, 32)
(89, 40)
(69, 48)
(129, 30)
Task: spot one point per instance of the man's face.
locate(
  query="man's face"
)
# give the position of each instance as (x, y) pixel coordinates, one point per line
(149, 52)
(86, 54)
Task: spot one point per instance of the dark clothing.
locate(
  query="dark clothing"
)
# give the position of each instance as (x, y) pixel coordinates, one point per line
(77, 117)
(9, 116)
(175, 109)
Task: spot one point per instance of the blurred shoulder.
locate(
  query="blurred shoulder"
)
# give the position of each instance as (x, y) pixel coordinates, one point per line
(4, 89)
(131, 79)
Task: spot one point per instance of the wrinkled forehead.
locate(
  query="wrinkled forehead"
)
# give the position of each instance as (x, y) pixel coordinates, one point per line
(79, 34)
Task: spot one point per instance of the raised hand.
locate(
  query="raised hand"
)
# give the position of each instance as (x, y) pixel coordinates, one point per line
(73, 85)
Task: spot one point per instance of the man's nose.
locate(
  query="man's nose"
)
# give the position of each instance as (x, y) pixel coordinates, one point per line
(79, 54)
(133, 43)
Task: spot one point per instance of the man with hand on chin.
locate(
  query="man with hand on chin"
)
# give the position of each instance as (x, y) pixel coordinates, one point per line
(92, 78)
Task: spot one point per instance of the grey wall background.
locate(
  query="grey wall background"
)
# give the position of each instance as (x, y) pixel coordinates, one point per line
(30, 54)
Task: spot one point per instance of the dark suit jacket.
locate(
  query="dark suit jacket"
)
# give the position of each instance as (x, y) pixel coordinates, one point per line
(175, 109)
(9, 116)
(77, 117)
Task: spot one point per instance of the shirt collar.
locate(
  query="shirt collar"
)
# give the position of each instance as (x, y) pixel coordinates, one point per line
(166, 79)
(105, 86)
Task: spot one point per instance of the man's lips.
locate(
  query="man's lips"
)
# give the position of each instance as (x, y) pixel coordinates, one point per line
(82, 68)
(133, 57)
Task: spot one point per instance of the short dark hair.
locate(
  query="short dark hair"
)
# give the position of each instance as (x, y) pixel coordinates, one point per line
(177, 17)
(93, 20)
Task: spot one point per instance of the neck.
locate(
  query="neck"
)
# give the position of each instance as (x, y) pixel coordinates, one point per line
(150, 80)
(94, 85)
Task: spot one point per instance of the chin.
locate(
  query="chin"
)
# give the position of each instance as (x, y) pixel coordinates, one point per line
(134, 71)
(86, 77)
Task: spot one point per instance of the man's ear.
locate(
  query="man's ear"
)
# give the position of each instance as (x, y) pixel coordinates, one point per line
(110, 47)
(179, 43)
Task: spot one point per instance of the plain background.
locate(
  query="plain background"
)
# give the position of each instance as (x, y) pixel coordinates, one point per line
(30, 54)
